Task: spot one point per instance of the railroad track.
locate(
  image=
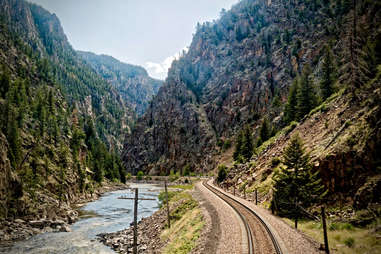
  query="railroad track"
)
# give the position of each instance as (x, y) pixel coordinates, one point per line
(260, 238)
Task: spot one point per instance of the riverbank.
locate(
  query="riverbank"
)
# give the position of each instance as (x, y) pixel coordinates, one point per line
(154, 236)
(55, 217)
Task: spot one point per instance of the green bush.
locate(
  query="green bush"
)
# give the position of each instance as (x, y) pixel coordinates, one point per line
(275, 161)
(350, 242)
(140, 175)
(173, 176)
(222, 173)
(227, 145)
(128, 176)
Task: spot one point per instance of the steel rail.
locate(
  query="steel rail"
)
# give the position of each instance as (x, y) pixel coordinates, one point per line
(229, 200)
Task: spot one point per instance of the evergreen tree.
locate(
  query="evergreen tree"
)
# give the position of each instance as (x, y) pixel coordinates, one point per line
(306, 95)
(329, 74)
(13, 137)
(296, 185)
(265, 130)
(238, 146)
(247, 144)
(4, 83)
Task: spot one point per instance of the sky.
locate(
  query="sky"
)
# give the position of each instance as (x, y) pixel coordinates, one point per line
(149, 33)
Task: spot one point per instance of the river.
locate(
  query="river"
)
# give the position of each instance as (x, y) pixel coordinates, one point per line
(112, 214)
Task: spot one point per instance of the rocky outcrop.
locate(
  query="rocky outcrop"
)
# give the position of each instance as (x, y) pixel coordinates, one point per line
(131, 81)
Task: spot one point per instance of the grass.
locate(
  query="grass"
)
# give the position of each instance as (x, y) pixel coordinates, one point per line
(184, 233)
(182, 186)
(272, 140)
(186, 223)
(343, 237)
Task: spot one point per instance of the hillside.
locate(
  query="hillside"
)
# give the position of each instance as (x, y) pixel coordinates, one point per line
(237, 72)
(61, 123)
(132, 82)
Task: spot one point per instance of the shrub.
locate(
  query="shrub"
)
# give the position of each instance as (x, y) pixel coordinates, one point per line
(350, 242)
(222, 173)
(128, 176)
(227, 145)
(173, 176)
(140, 175)
(275, 161)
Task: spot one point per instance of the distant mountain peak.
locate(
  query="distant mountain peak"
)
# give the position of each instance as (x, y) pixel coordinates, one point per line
(131, 81)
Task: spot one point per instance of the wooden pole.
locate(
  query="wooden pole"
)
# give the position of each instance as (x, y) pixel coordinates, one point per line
(166, 198)
(244, 191)
(296, 212)
(136, 222)
(324, 230)
(234, 189)
(256, 196)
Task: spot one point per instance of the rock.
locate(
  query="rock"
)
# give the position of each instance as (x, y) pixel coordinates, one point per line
(36, 231)
(39, 223)
(20, 221)
(65, 228)
(57, 223)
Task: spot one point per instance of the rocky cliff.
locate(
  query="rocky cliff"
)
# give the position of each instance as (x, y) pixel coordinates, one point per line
(237, 71)
(132, 82)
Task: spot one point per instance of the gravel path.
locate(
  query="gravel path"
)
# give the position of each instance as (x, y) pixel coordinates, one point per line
(290, 239)
(226, 223)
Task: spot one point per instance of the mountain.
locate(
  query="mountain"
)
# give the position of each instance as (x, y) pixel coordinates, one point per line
(61, 123)
(238, 72)
(131, 81)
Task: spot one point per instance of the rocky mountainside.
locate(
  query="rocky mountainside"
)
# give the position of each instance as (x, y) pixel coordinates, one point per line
(237, 72)
(61, 123)
(132, 82)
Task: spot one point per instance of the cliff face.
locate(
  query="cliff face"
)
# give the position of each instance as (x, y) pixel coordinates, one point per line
(132, 82)
(238, 70)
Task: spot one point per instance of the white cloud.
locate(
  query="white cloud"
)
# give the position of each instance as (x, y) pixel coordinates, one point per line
(160, 70)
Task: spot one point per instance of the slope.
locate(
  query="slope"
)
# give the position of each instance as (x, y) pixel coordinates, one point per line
(132, 82)
(60, 122)
(237, 72)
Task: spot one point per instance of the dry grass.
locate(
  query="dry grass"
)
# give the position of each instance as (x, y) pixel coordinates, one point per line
(183, 235)
(343, 237)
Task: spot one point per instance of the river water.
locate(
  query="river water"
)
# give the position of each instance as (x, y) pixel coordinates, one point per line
(113, 214)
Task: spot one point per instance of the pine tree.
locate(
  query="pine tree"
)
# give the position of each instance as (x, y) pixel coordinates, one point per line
(306, 94)
(290, 111)
(265, 130)
(4, 83)
(13, 137)
(238, 146)
(329, 74)
(296, 185)
(247, 144)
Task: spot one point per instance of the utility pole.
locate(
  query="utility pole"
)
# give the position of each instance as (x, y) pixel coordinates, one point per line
(136, 199)
(256, 196)
(136, 222)
(296, 212)
(326, 247)
(166, 197)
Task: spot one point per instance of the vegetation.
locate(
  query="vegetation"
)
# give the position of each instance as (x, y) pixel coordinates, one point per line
(343, 237)
(244, 145)
(222, 173)
(329, 74)
(295, 185)
(139, 175)
(187, 223)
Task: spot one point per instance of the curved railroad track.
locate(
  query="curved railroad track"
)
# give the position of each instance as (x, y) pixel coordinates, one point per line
(260, 238)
